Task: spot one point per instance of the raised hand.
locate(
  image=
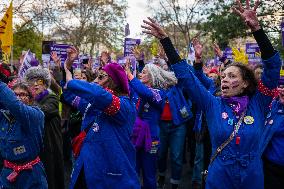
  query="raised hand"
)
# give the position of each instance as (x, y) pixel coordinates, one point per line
(127, 69)
(198, 48)
(72, 54)
(248, 14)
(136, 52)
(217, 50)
(68, 73)
(162, 54)
(153, 28)
(55, 58)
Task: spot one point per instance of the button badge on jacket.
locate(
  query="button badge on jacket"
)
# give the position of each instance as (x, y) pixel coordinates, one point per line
(146, 107)
(225, 115)
(19, 150)
(95, 127)
(230, 121)
(154, 147)
(184, 113)
(248, 120)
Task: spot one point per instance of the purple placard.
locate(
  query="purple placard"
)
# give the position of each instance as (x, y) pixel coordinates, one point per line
(28, 61)
(122, 62)
(251, 50)
(282, 30)
(228, 53)
(129, 43)
(216, 60)
(61, 50)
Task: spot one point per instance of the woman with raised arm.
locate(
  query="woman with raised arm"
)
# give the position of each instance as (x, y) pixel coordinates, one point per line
(105, 154)
(236, 119)
(21, 139)
(151, 91)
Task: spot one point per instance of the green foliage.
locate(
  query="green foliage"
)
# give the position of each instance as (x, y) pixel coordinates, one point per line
(223, 25)
(277, 43)
(95, 22)
(27, 37)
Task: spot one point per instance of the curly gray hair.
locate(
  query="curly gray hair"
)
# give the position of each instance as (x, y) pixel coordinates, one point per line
(160, 78)
(38, 73)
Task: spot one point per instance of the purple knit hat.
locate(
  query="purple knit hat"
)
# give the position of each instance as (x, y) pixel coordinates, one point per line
(118, 75)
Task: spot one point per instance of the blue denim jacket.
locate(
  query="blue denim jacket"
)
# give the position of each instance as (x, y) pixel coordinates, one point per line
(150, 106)
(20, 140)
(180, 108)
(239, 165)
(107, 154)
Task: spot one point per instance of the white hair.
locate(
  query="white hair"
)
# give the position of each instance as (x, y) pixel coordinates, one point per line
(38, 73)
(161, 78)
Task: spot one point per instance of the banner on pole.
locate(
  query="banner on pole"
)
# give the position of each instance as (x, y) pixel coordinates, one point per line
(29, 61)
(6, 33)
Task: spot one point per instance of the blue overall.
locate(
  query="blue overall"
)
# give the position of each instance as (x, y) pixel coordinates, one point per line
(150, 109)
(21, 140)
(239, 165)
(107, 155)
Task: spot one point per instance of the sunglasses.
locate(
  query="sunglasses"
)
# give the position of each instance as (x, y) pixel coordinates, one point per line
(36, 82)
(102, 76)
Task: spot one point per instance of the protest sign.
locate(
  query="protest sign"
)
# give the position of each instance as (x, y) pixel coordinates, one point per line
(228, 53)
(28, 61)
(61, 51)
(129, 43)
(253, 52)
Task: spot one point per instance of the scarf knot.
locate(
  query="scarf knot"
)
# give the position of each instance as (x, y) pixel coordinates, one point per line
(238, 104)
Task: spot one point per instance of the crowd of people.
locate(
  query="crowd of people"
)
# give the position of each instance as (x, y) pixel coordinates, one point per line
(120, 129)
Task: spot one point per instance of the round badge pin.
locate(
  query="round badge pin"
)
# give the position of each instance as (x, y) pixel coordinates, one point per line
(230, 121)
(225, 115)
(248, 120)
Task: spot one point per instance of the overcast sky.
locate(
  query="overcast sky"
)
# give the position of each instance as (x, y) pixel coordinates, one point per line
(136, 12)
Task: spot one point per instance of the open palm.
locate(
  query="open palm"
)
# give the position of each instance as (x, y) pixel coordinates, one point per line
(248, 14)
